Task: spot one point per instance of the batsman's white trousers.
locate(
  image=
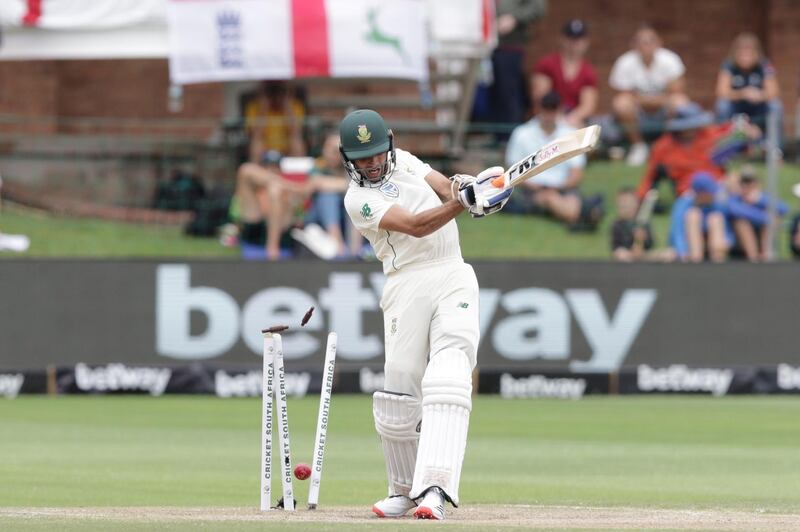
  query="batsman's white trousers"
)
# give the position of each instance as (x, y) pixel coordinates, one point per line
(427, 308)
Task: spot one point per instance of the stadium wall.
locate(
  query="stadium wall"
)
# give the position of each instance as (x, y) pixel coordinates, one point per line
(559, 329)
(52, 92)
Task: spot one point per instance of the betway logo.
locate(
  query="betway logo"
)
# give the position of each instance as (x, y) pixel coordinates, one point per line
(540, 386)
(679, 378)
(121, 378)
(788, 377)
(537, 325)
(249, 384)
(10, 384)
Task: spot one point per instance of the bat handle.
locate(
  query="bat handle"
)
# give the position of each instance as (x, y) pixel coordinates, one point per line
(499, 181)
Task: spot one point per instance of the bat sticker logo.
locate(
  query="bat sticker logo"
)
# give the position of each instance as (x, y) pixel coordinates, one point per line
(546, 154)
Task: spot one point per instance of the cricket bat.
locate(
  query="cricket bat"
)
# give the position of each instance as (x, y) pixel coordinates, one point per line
(549, 155)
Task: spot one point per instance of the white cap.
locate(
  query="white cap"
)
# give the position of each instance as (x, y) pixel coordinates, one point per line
(796, 190)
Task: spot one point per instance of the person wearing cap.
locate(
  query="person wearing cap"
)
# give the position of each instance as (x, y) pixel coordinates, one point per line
(430, 309)
(794, 227)
(697, 224)
(748, 215)
(569, 74)
(691, 144)
(649, 84)
(554, 191)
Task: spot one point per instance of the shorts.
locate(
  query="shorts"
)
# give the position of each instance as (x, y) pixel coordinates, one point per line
(523, 200)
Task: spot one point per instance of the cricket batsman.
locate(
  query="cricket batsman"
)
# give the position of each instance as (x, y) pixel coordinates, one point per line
(430, 306)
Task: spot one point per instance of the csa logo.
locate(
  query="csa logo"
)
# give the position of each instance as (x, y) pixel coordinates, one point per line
(364, 135)
(390, 190)
(393, 327)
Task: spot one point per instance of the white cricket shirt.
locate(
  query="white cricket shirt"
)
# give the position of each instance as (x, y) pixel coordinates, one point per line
(407, 188)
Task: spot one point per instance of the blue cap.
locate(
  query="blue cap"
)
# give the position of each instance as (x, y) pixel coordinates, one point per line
(704, 182)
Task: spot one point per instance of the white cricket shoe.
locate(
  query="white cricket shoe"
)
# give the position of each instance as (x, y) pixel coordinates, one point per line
(393, 506)
(432, 505)
(638, 154)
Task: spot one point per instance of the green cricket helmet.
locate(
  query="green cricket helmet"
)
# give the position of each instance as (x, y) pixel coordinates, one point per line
(364, 134)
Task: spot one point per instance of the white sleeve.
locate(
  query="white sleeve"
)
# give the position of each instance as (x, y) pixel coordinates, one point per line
(412, 164)
(365, 210)
(621, 77)
(672, 65)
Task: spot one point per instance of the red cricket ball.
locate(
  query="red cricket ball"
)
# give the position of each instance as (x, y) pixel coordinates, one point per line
(302, 471)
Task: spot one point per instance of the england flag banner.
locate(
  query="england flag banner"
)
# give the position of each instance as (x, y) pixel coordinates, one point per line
(228, 40)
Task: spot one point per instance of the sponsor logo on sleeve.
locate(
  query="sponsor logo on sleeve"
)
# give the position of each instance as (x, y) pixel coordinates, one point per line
(366, 212)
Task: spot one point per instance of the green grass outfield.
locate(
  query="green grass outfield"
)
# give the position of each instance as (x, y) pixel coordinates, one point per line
(648, 453)
(498, 236)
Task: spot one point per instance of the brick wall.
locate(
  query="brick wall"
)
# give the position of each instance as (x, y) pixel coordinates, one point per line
(125, 95)
(130, 93)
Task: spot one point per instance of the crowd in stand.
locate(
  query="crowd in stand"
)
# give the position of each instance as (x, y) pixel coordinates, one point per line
(717, 212)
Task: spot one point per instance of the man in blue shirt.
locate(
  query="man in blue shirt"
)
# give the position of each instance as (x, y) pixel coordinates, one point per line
(697, 225)
(748, 215)
(554, 191)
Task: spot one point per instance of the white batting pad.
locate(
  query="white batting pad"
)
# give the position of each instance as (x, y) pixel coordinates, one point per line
(397, 418)
(446, 404)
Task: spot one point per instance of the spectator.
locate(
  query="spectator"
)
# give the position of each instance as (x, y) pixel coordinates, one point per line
(748, 214)
(554, 191)
(330, 182)
(746, 83)
(693, 144)
(569, 75)
(649, 81)
(508, 92)
(632, 239)
(274, 121)
(697, 226)
(794, 228)
(264, 206)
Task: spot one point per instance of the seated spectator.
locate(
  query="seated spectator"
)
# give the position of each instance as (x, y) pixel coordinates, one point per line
(691, 144)
(569, 75)
(554, 191)
(330, 182)
(274, 121)
(748, 215)
(697, 225)
(264, 205)
(631, 238)
(649, 81)
(794, 228)
(746, 83)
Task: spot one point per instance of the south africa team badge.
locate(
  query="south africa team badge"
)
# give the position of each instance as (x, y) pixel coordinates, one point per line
(390, 190)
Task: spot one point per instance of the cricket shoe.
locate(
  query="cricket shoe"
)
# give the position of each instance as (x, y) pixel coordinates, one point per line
(393, 506)
(432, 505)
